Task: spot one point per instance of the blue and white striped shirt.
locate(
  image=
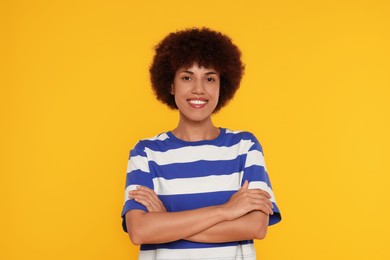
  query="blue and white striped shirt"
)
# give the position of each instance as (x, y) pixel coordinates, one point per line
(190, 175)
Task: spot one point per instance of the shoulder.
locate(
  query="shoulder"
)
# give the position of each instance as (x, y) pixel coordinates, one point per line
(151, 142)
(160, 137)
(245, 135)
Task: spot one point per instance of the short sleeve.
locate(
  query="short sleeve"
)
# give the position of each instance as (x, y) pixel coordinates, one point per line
(255, 171)
(138, 174)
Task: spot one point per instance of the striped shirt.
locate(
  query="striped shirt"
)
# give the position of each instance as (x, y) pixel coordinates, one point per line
(190, 175)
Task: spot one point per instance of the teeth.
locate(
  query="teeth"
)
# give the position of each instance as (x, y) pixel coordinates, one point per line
(198, 102)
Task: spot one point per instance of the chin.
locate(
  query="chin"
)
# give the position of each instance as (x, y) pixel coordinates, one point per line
(194, 118)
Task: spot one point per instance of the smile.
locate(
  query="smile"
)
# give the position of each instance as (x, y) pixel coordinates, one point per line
(197, 103)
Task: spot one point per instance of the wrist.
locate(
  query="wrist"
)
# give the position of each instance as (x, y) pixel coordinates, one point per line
(224, 211)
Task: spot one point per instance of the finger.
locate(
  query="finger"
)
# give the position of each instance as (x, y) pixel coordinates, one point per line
(157, 203)
(151, 192)
(145, 192)
(264, 207)
(270, 203)
(259, 201)
(266, 210)
(131, 194)
(267, 194)
(271, 212)
(245, 185)
(142, 196)
(260, 191)
(152, 203)
(161, 207)
(148, 206)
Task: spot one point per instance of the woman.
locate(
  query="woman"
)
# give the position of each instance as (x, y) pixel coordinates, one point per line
(198, 191)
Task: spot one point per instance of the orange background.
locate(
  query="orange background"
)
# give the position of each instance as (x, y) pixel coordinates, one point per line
(75, 98)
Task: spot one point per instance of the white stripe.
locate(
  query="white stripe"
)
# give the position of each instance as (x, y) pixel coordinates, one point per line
(198, 185)
(228, 131)
(263, 186)
(160, 137)
(255, 157)
(129, 188)
(196, 153)
(137, 163)
(239, 252)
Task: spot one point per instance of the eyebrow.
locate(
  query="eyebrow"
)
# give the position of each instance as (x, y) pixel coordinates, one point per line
(207, 73)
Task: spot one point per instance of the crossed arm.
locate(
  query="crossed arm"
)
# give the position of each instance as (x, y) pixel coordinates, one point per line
(245, 216)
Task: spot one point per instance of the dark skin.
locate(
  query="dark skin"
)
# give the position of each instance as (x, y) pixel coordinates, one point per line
(150, 200)
(246, 205)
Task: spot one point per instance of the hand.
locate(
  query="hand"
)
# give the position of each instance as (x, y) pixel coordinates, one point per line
(246, 200)
(148, 198)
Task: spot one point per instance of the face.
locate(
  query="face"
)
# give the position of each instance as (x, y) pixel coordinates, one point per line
(196, 91)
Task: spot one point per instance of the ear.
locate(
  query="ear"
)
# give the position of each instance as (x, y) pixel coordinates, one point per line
(172, 90)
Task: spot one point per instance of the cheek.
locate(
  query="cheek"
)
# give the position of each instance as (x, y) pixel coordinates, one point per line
(217, 93)
(179, 99)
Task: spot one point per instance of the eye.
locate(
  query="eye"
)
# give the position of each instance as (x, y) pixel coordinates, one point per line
(210, 79)
(186, 78)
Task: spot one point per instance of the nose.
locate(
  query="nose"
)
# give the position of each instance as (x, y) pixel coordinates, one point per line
(198, 87)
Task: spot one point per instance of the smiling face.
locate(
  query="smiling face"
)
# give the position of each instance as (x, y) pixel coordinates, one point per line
(196, 91)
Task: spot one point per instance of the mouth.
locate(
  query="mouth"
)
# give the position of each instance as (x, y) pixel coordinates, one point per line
(197, 103)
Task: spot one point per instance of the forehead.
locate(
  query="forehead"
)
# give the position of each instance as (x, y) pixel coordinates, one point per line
(195, 67)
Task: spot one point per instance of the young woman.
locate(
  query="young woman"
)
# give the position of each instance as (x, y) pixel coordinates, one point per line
(198, 191)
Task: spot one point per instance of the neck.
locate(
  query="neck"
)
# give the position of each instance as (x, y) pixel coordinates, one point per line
(196, 131)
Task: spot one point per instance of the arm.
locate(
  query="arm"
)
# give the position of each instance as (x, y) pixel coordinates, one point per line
(227, 222)
(162, 227)
(253, 225)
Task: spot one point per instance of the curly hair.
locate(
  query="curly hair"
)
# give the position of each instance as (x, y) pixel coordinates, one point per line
(203, 46)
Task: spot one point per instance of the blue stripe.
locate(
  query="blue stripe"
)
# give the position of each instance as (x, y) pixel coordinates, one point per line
(137, 152)
(138, 177)
(257, 146)
(161, 145)
(181, 202)
(276, 217)
(232, 139)
(256, 173)
(184, 244)
(197, 169)
(228, 140)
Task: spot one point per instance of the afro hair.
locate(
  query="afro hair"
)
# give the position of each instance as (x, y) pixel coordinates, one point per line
(203, 46)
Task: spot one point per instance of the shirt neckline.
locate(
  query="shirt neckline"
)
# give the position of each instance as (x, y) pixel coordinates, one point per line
(222, 132)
